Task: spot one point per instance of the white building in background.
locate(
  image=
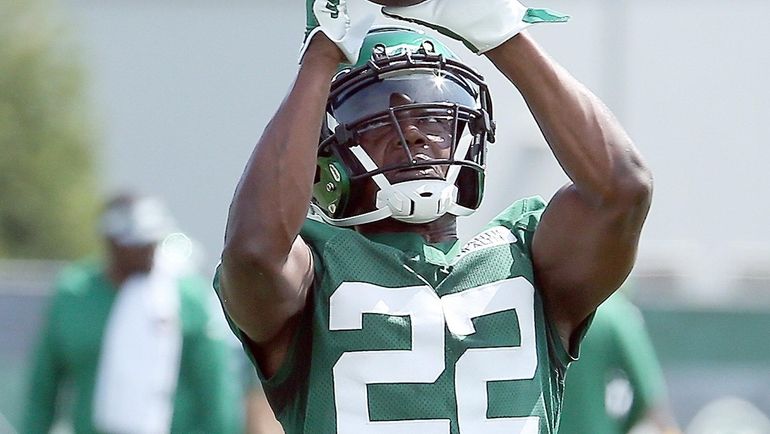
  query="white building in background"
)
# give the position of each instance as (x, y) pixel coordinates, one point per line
(184, 88)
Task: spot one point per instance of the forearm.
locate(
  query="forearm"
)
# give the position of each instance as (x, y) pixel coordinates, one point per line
(266, 267)
(272, 197)
(589, 143)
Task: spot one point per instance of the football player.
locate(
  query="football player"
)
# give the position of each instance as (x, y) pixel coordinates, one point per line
(371, 317)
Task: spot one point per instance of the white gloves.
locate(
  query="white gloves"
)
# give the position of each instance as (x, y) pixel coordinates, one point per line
(344, 22)
(480, 24)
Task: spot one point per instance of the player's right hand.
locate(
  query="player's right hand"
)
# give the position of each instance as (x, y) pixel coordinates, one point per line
(479, 24)
(344, 22)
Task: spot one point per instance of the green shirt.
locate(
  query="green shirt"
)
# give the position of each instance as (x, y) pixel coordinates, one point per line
(405, 337)
(70, 345)
(618, 377)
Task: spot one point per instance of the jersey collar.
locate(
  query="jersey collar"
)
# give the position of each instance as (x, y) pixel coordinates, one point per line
(414, 246)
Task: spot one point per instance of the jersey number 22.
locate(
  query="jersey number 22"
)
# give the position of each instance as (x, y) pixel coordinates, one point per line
(425, 362)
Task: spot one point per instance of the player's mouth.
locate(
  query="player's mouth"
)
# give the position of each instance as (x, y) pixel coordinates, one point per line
(422, 171)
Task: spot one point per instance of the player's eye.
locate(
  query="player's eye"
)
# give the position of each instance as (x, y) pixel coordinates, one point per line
(375, 126)
(434, 124)
(375, 133)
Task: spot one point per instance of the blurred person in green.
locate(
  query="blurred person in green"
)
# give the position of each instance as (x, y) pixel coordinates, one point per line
(133, 337)
(617, 386)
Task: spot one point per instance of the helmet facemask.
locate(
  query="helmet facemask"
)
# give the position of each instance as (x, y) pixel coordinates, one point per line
(405, 137)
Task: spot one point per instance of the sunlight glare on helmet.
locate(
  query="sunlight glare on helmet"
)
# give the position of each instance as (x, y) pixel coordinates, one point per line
(438, 81)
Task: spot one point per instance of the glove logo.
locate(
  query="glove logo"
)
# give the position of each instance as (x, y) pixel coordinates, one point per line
(333, 8)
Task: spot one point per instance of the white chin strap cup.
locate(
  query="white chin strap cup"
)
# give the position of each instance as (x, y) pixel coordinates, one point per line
(415, 202)
(418, 201)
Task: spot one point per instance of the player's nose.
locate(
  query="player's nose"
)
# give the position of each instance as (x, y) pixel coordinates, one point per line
(413, 135)
(418, 141)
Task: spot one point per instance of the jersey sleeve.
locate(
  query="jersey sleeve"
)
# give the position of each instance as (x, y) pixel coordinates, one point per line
(522, 218)
(289, 382)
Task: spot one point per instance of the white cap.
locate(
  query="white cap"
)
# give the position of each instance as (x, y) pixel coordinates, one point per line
(134, 222)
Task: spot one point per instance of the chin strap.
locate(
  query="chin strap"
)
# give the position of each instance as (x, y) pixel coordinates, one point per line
(372, 216)
(454, 171)
(417, 201)
(462, 149)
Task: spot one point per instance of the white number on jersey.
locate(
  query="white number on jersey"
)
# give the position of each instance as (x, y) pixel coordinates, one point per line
(424, 363)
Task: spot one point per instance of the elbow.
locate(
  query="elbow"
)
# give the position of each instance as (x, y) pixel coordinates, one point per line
(636, 188)
(631, 186)
(249, 255)
(633, 189)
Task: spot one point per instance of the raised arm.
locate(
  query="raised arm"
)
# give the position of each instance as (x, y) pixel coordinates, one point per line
(586, 242)
(266, 267)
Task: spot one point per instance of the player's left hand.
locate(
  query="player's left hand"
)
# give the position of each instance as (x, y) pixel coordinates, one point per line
(480, 24)
(344, 22)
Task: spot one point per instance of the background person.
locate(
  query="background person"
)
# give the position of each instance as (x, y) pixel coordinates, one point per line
(617, 386)
(132, 336)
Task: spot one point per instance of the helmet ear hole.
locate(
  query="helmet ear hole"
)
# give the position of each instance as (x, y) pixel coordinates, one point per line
(331, 186)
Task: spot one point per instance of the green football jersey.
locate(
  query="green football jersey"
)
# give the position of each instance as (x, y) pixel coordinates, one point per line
(404, 337)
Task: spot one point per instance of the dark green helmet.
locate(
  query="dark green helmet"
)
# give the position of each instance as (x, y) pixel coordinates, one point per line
(407, 94)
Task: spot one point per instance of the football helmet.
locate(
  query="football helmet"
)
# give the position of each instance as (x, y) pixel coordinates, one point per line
(405, 134)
